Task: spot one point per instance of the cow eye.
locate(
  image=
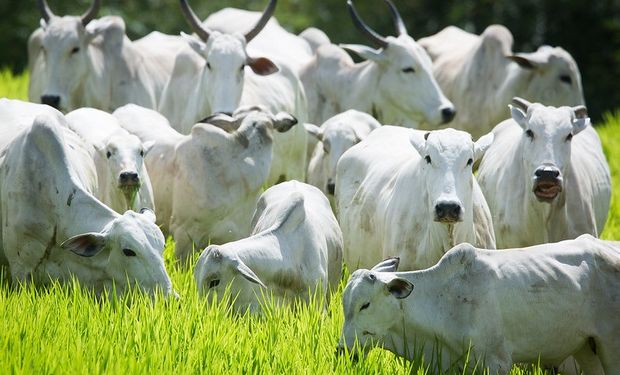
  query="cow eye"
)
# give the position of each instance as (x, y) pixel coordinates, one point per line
(142, 153)
(566, 79)
(569, 137)
(365, 306)
(108, 154)
(428, 159)
(75, 50)
(129, 252)
(529, 133)
(214, 283)
(208, 66)
(470, 161)
(408, 70)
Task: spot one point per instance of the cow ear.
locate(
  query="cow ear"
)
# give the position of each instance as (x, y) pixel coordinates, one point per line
(43, 24)
(519, 116)
(482, 145)
(247, 273)
(532, 60)
(147, 146)
(387, 265)
(418, 141)
(314, 131)
(262, 66)
(197, 45)
(365, 52)
(86, 245)
(581, 120)
(148, 214)
(284, 121)
(399, 288)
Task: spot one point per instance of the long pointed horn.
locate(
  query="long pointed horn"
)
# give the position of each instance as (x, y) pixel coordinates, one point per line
(371, 34)
(398, 21)
(267, 13)
(521, 103)
(91, 13)
(194, 21)
(46, 12)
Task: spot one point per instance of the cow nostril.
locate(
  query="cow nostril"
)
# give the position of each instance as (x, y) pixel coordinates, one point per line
(547, 173)
(447, 114)
(448, 211)
(51, 100)
(126, 177)
(331, 187)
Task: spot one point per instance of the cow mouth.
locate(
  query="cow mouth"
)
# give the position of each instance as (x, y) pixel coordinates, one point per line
(546, 191)
(129, 190)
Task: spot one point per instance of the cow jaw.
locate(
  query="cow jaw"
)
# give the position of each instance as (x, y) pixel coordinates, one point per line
(546, 190)
(129, 192)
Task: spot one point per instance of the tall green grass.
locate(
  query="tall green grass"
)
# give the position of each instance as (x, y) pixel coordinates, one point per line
(65, 329)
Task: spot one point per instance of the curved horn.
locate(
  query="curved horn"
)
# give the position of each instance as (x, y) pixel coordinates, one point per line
(46, 12)
(521, 103)
(267, 13)
(580, 111)
(91, 13)
(374, 37)
(194, 21)
(398, 21)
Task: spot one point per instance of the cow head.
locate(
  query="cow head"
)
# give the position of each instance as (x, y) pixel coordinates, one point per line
(546, 143)
(64, 55)
(550, 76)
(129, 250)
(225, 58)
(218, 271)
(448, 157)
(405, 74)
(253, 124)
(372, 307)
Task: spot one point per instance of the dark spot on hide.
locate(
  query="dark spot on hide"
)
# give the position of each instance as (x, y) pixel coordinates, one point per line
(70, 198)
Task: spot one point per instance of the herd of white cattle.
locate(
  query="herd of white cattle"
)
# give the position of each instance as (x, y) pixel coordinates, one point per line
(172, 135)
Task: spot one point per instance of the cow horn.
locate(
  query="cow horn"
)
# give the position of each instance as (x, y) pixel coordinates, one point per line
(91, 13)
(374, 37)
(580, 111)
(46, 12)
(194, 21)
(398, 21)
(267, 13)
(521, 103)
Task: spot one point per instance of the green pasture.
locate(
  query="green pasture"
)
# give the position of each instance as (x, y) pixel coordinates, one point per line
(65, 330)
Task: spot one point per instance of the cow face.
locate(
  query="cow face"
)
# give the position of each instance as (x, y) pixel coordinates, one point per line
(129, 250)
(546, 145)
(218, 271)
(372, 306)
(447, 159)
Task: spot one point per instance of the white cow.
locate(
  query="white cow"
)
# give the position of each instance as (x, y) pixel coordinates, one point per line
(539, 304)
(211, 78)
(481, 74)
(206, 183)
(82, 62)
(123, 181)
(53, 228)
(545, 176)
(408, 193)
(395, 83)
(294, 251)
(335, 136)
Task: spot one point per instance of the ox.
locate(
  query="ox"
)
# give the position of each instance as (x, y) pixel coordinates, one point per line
(211, 78)
(206, 183)
(123, 181)
(335, 136)
(550, 162)
(481, 74)
(539, 304)
(395, 83)
(408, 193)
(53, 228)
(294, 250)
(81, 62)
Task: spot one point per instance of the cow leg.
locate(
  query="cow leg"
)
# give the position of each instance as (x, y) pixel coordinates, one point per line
(608, 351)
(585, 360)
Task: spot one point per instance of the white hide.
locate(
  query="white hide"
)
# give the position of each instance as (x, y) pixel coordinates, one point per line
(539, 304)
(400, 194)
(53, 228)
(123, 181)
(507, 176)
(548, 75)
(206, 183)
(294, 250)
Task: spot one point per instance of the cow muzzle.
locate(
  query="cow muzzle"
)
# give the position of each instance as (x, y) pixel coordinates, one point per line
(448, 212)
(547, 183)
(128, 180)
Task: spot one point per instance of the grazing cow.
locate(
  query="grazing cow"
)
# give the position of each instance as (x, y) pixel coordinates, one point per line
(123, 182)
(335, 136)
(539, 304)
(546, 176)
(53, 228)
(395, 83)
(294, 250)
(206, 184)
(409, 193)
(211, 78)
(82, 62)
(481, 74)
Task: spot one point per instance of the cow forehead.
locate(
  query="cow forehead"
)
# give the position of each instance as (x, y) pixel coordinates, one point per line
(226, 45)
(404, 48)
(124, 142)
(551, 120)
(65, 29)
(133, 228)
(450, 142)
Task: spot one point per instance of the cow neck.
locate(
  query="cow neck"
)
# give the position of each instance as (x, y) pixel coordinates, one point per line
(358, 86)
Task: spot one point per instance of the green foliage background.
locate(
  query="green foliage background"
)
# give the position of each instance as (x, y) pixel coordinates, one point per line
(589, 30)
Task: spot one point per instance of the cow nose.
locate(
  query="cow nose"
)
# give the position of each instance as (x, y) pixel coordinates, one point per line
(129, 178)
(51, 100)
(447, 114)
(331, 187)
(547, 172)
(447, 212)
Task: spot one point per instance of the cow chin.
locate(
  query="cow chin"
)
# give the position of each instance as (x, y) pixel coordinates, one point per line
(546, 190)
(129, 192)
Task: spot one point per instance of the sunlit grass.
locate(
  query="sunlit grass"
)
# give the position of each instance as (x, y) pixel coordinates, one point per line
(13, 86)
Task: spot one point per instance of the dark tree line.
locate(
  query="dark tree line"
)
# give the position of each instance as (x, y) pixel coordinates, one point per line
(589, 30)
